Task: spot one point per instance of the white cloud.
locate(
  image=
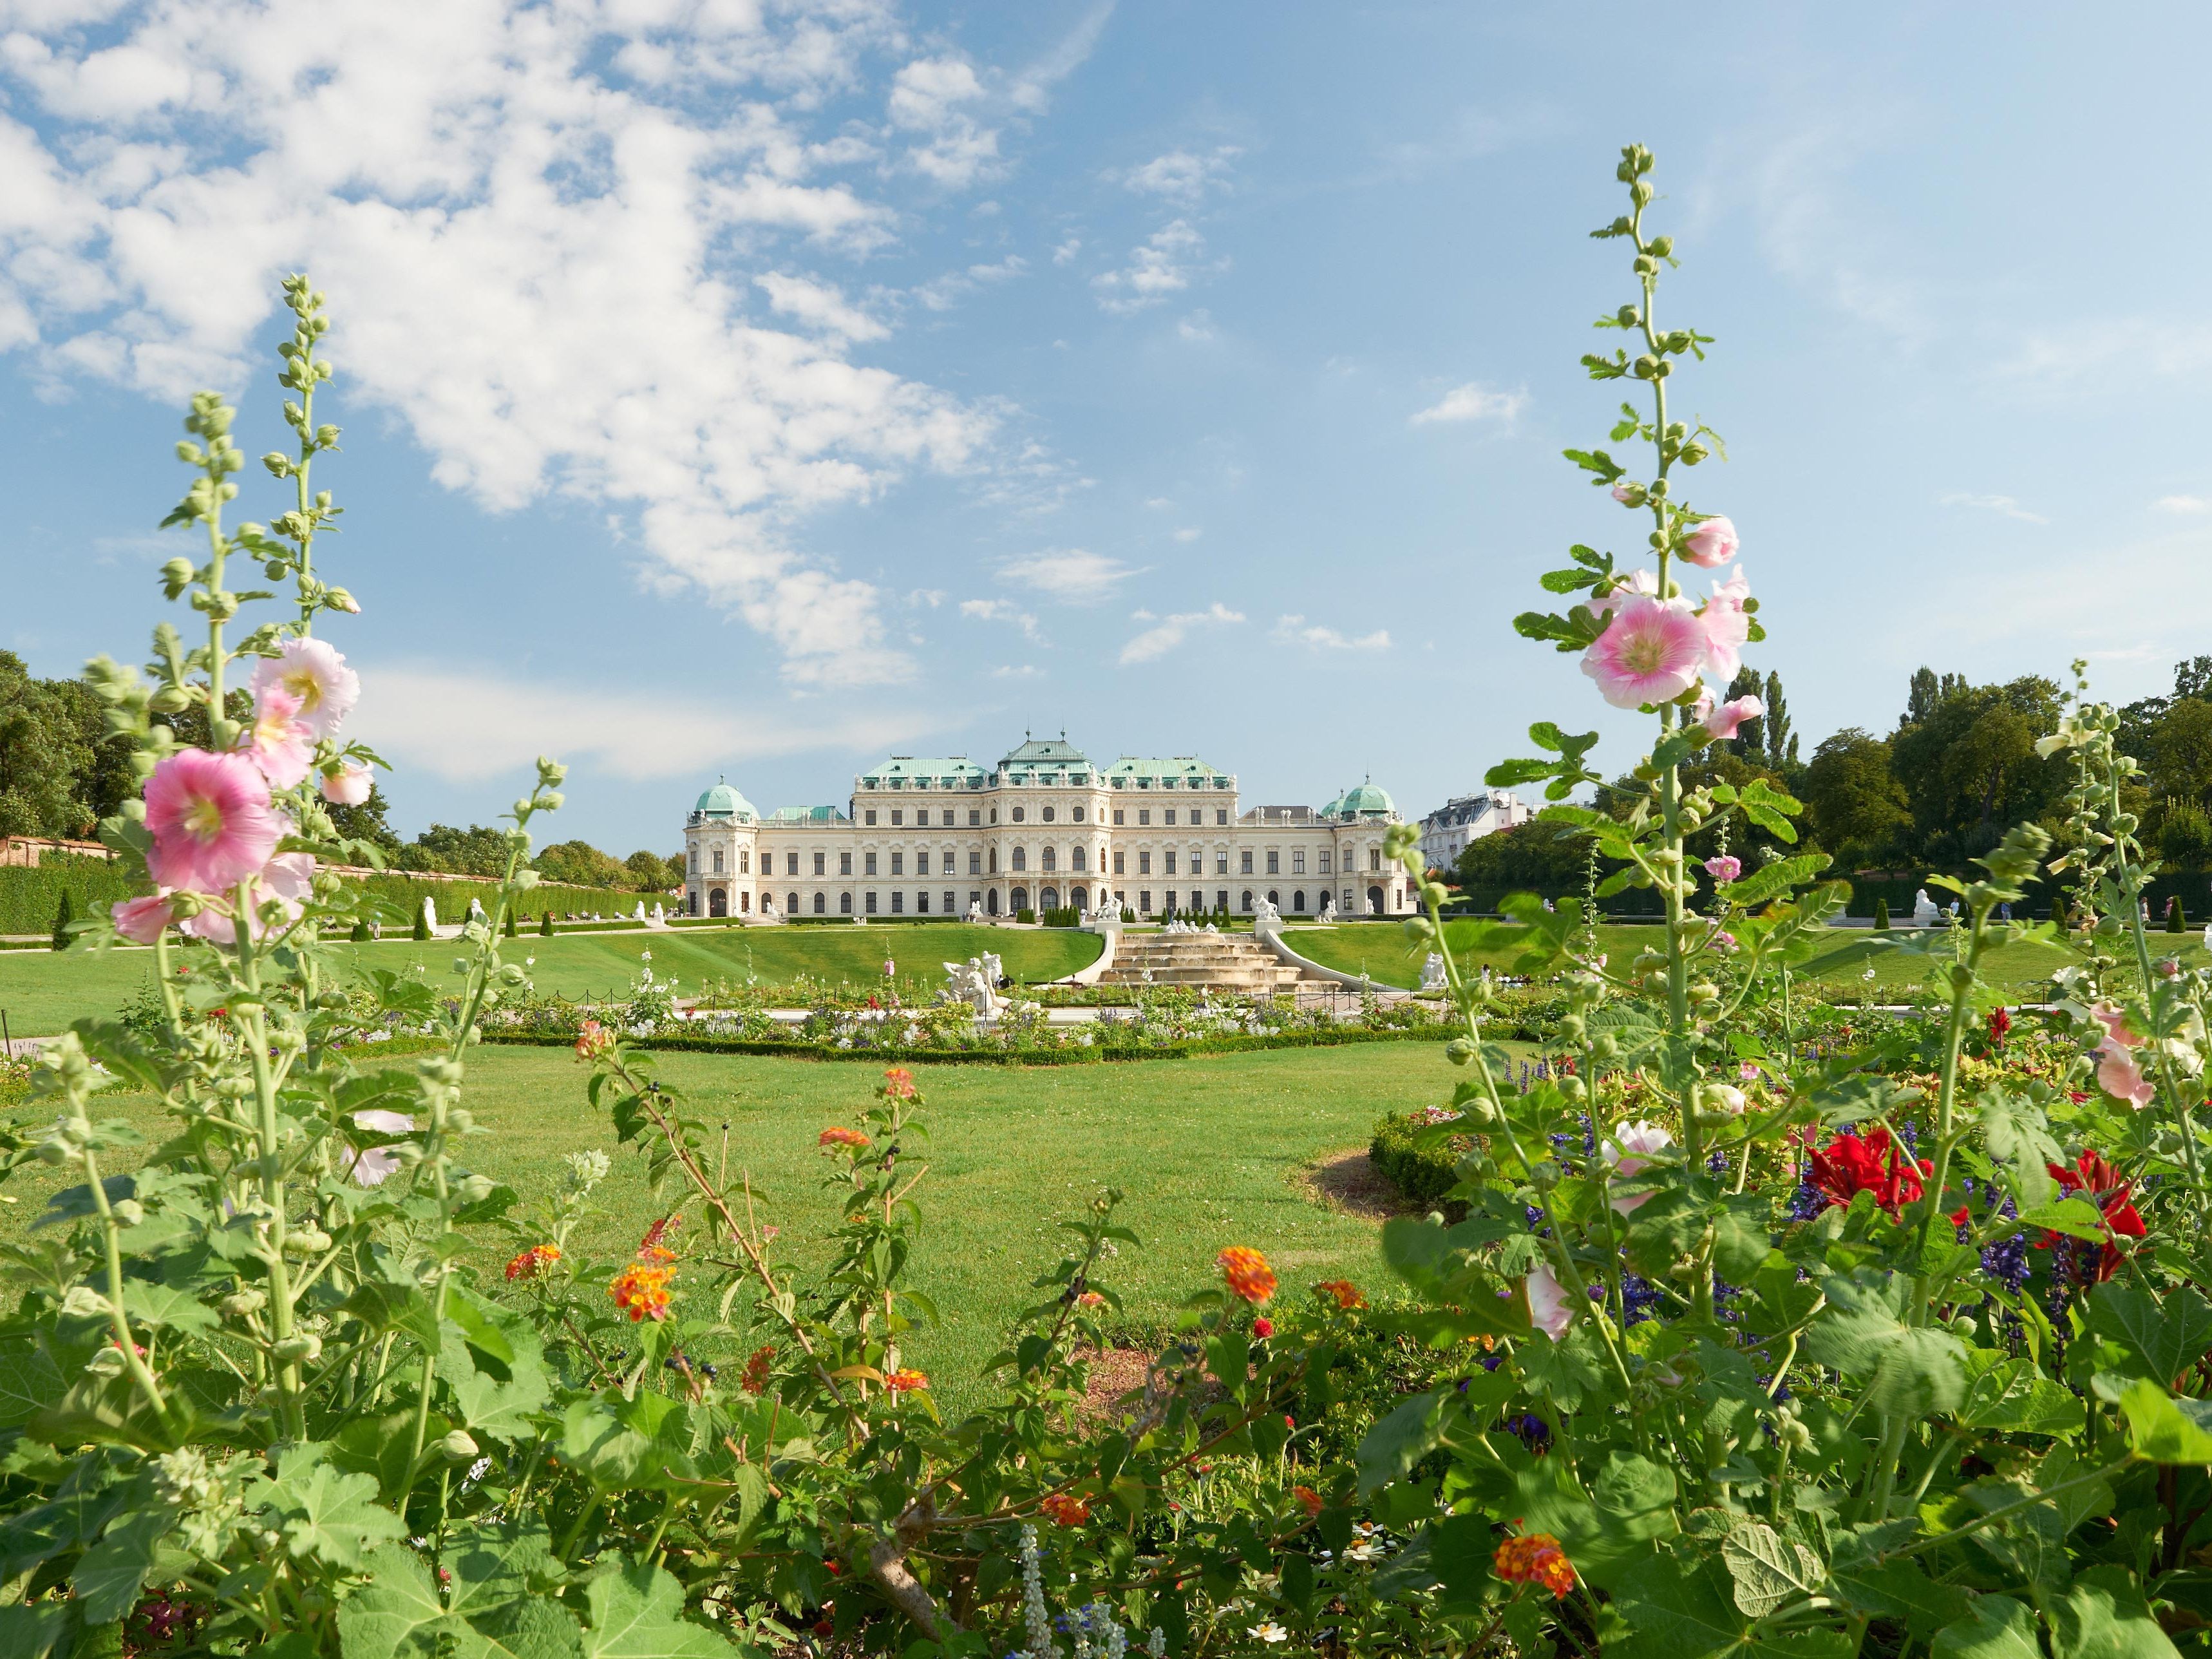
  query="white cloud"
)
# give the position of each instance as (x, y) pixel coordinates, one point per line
(1188, 533)
(950, 117)
(1158, 503)
(2005, 506)
(1474, 401)
(1000, 610)
(1072, 576)
(818, 304)
(1296, 630)
(466, 727)
(1168, 632)
(941, 294)
(1180, 176)
(1067, 250)
(1198, 327)
(540, 268)
(1028, 671)
(1163, 265)
(2183, 504)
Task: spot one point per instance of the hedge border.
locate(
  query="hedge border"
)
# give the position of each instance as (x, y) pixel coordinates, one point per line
(1196, 1048)
(1422, 1174)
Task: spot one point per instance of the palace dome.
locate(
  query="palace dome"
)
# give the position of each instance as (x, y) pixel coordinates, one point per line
(725, 803)
(1368, 798)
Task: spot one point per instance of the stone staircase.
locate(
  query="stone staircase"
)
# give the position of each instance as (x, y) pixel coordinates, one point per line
(1213, 962)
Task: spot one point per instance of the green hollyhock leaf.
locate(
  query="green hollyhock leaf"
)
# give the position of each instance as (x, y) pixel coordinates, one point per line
(623, 1445)
(495, 1365)
(1912, 1370)
(521, 1630)
(34, 1632)
(1392, 1447)
(396, 1614)
(637, 1613)
(1768, 1571)
(329, 1514)
(2105, 1616)
(2165, 1429)
(2013, 1394)
(30, 1382)
(1994, 1627)
(1602, 1530)
(499, 1563)
(2169, 1337)
(1899, 1590)
(110, 1574)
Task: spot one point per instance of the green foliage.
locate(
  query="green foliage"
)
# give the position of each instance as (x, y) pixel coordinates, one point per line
(1419, 1158)
(64, 913)
(1881, 916)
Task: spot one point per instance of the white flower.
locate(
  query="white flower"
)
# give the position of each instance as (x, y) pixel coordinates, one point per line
(1631, 1138)
(1270, 1632)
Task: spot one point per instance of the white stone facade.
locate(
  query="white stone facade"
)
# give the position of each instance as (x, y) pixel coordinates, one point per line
(1446, 831)
(1044, 829)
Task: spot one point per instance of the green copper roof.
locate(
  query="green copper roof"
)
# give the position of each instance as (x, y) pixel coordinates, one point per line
(1366, 799)
(923, 772)
(1046, 752)
(724, 802)
(1180, 772)
(807, 815)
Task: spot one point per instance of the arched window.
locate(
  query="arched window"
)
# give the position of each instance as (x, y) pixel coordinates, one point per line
(1018, 811)
(792, 908)
(995, 867)
(1048, 818)
(1075, 858)
(1298, 900)
(1051, 859)
(844, 904)
(1021, 858)
(1274, 898)
(1248, 899)
(821, 903)
(1020, 898)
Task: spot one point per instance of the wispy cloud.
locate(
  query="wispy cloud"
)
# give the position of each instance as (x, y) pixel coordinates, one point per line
(999, 611)
(1166, 633)
(1197, 327)
(2003, 506)
(818, 304)
(1163, 265)
(1296, 630)
(465, 727)
(2183, 504)
(1073, 575)
(1028, 671)
(939, 294)
(1474, 401)
(1181, 176)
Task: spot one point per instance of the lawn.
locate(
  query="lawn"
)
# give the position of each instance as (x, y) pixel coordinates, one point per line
(43, 991)
(1207, 1150)
(1841, 957)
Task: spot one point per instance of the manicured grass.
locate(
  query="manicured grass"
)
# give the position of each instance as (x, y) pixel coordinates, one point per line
(43, 991)
(1385, 951)
(1206, 1152)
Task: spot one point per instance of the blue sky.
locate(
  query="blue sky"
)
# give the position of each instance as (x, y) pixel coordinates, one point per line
(758, 388)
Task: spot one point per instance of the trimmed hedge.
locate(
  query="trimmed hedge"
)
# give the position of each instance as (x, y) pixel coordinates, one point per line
(1423, 1172)
(1071, 1056)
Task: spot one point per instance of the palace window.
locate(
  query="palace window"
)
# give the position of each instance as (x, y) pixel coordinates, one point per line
(898, 865)
(1051, 859)
(1374, 857)
(1021, 858)
(870, 858)
(898, 901)
(1079, 815)
(994, 860)
(1018, 813)
(871, 818)
(844, 904)
(1145, 902)
(975, 816)
(1248, 896)
(1221, 815)
(974, 862)
(821, 902)
(744, 861)
(1169, 816)
(922, 863)
(791, 864)
(718, 860)
(897, 818)
(790, 904)
(821, 863)
(921, 818)
(1075, 859)
(921, 902)
(1144, 815)
(1221, 868)
(844, 864)
(1244, 865)
(1118, 863)
(1324, 861)
(1117, 815)
(1144, 863)
(868, 903)
(1298, 864)
(948, 904)
(1170, 868)
(1047, 815)
(694, 861)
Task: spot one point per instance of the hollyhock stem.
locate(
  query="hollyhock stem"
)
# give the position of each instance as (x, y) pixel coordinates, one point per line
(2130, 888)
(1964, 977)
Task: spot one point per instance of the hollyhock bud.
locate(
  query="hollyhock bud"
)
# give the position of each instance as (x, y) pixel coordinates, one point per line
(1710, 541)
(1627, 1141)
(1724, 719)
(1549, 1310)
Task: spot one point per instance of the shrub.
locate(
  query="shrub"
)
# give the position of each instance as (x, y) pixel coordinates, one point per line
(421, 928)
(359, 934)
(2176, 921)
(1881, 916)
(64, 913)
(1420, 1158)
(545, 924)
(1025, 914)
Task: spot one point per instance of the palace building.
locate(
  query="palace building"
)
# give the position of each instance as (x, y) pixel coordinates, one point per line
(1044, 829)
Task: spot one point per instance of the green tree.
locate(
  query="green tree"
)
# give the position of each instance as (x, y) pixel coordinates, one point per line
(2179, 752)
(64, 913)
(1969, 767)
(475, 851)
(42, 756)
(649, 872)
(1778, 742)
(1857, 807)
(367, 822)
(577, 863)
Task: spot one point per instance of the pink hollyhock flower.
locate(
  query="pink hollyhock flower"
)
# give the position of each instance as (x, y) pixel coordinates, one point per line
(1710, 542)
(142, 919)
(2114, 1019)
(1627, 1140)
(2118, 1076)
(1723, 720)
(1549, 1310)
(314, 673)
(375, 1166)
(285, 881)
(1728, 625)
(210, 820)
(1651, 652)
(278, 739)
(1748, 1071)
(348, 786)
(1725, 868)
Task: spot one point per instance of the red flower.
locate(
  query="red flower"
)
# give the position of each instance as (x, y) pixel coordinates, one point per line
(2000, 1025)
(905, 1381)
(1263, 1327)
(898, 1083)
(755, 1380)
(1536, 1558)
(1850, 1164)
(1247, 1273)
(1309, 1500)
(2100, 1183)
(653, 1247)
(1065, 1508)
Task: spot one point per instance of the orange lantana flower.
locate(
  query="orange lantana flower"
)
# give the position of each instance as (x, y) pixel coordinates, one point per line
(1065, 1509)
(533, 1262)
(905, 1381)
(641, 1291)
(1535, 1559)
(1248, 1272)
(1343, 1292)
(898, 1083)
(838, 1136)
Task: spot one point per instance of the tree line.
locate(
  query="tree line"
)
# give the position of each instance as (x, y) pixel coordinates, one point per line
(62, 771)
(1937, 790)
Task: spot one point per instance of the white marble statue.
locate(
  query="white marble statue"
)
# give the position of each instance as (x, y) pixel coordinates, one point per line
(660, 914)
(993, 970)
(970, 982)
(1432, 972)
(1328, 908)
(1923, 909)
(639, 916)
(430, 913)
(976, 917)
(475, 911)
